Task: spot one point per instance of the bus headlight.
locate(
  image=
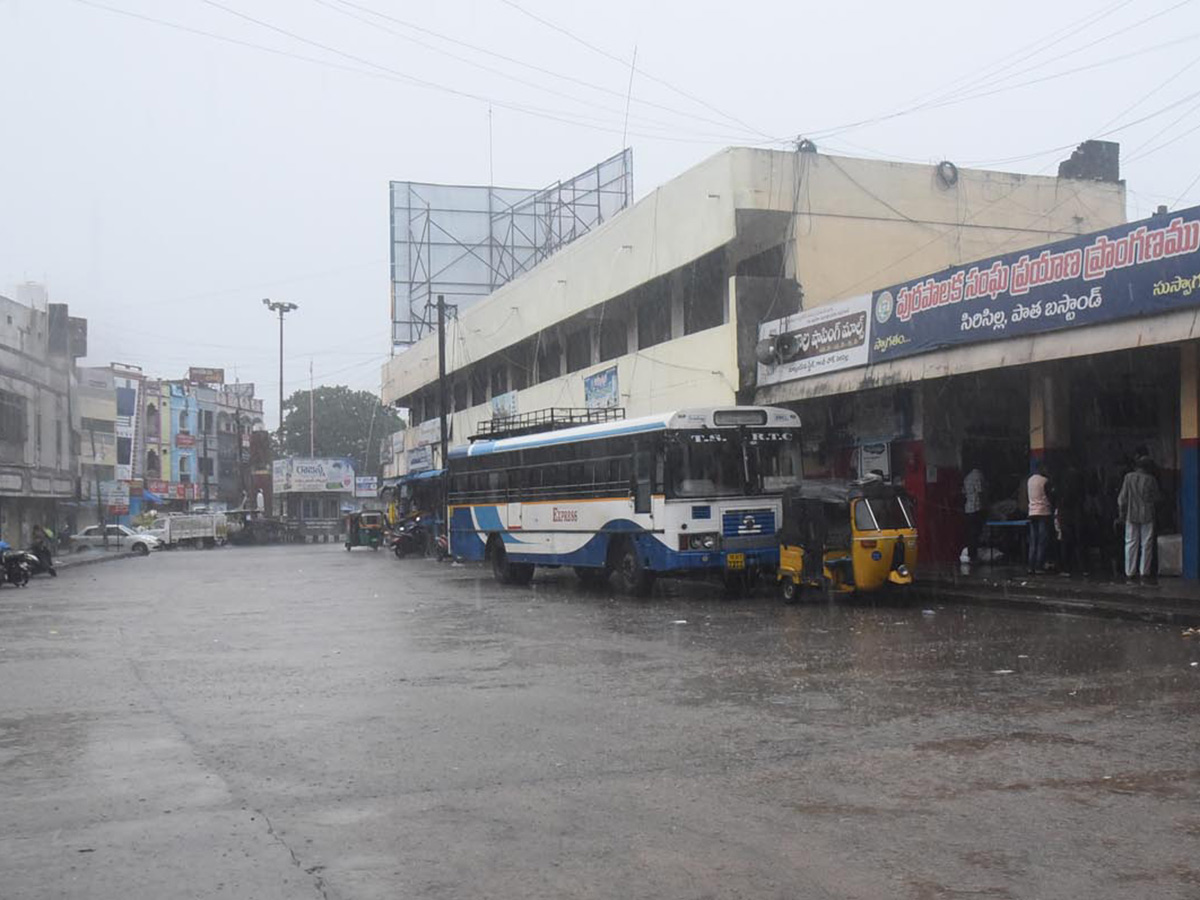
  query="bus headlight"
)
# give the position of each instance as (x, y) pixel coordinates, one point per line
(702, 541)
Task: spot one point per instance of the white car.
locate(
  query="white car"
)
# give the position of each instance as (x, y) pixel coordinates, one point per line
(121, 537)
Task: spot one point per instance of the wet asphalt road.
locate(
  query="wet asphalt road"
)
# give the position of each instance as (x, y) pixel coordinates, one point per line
(303, 722)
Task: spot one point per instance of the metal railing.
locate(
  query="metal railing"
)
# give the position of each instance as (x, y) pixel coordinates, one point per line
(550, 419)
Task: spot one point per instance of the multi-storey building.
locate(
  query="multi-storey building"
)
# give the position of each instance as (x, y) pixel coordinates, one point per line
(39, 464)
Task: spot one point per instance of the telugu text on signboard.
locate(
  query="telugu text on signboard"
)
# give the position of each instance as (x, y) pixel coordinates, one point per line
(1142, 268)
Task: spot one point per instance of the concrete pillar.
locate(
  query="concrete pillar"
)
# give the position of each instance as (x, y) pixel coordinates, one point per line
(1049, 415)
(1189, 457)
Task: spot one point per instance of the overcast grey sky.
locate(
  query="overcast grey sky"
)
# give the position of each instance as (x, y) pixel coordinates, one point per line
(162, 181)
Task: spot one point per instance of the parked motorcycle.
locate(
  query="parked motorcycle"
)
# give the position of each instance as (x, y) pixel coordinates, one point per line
(39, 560)
(414, 537)
(409, 538)
(14, 567)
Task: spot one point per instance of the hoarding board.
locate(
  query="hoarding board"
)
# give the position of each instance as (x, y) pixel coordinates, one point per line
(206, 375)
(504, 405)
(313, 475)
(600, 390)
(817, 341)
(1141, 268)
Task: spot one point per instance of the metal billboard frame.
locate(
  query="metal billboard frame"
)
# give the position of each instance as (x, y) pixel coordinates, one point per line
(464, 241)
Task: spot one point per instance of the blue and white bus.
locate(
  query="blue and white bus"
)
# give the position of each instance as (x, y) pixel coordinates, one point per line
(682, 492)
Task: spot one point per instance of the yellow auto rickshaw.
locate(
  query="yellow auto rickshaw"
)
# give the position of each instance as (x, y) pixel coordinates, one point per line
(364, 529)
(846, 537)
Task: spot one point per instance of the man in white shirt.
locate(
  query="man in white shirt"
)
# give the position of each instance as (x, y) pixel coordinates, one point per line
(975, 507)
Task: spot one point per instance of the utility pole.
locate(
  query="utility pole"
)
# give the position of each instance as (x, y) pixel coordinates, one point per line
(282, 308)
(312, 415)
(443, 403)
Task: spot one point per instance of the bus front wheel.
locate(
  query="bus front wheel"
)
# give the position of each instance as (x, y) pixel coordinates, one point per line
(631, 575)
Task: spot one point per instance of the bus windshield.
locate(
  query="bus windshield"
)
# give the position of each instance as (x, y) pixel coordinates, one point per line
(776, 457)
(706, 465)
(722, 464)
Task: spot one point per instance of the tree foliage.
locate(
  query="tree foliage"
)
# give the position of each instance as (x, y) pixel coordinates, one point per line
(348, 423)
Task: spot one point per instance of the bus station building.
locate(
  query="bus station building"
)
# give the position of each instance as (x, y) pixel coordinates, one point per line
(673, 302)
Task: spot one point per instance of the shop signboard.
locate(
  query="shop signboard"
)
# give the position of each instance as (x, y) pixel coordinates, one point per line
(185, 440)
(420, 459)
(1142, 268)
(875, 459)
(115, 497)
(600, 390)
(817, 341)
(366, 486)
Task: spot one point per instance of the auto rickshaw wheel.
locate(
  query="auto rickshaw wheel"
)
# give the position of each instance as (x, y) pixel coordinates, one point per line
(789, 590)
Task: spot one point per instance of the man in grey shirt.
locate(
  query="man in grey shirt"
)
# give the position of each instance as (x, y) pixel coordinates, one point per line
(1137, 501)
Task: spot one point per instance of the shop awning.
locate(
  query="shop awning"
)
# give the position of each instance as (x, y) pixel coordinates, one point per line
(151, 497)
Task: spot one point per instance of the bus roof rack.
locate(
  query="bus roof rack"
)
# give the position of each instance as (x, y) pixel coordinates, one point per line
(550, 419)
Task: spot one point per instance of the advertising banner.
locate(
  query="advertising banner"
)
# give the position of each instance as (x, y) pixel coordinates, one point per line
(600, 390)
(314, 475)
(504, 405)
(366, 486)
(205, 375)
(816, 341)
(1141, 268)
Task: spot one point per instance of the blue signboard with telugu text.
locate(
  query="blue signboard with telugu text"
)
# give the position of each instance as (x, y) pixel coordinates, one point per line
(1142, 268)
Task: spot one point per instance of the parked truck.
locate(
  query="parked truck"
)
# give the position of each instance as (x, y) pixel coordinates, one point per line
(190, 530)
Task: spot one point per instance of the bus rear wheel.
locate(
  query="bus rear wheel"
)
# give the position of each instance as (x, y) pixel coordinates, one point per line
(631, 575)
(505, 570)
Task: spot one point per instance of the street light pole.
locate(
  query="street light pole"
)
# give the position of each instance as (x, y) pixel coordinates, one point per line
(282, 308)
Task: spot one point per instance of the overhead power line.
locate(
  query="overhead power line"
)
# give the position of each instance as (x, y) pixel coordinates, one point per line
(578, 120)
(516, 61)
(625, 63)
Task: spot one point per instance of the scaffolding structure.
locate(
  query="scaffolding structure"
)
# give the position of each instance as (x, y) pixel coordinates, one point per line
(464, 241)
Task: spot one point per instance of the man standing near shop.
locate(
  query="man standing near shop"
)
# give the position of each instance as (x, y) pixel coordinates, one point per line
(1041, 517)
(1136, 503)
(973, 505)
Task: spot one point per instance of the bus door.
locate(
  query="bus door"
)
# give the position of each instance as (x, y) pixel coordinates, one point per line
(643, 478)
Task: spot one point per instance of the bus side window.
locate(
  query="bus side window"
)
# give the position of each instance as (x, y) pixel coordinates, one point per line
(642, 485)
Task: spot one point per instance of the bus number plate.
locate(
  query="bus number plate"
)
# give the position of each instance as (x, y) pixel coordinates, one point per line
(735, 561)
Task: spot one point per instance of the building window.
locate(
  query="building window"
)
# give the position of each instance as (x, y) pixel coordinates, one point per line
(461, 394)
(183, 421)
(126, 402)
(153, 422)
(206, 465)
(124, 451)
(478, 385)
(654, 316)
(579, 349)
(153, 466)
(614, 333)
(499, 380)
(185, 469)
(549, 359)
(704, 295)
(97, 426)
(206, 418)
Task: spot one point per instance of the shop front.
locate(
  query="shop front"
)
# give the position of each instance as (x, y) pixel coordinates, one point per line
(1079, 355)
